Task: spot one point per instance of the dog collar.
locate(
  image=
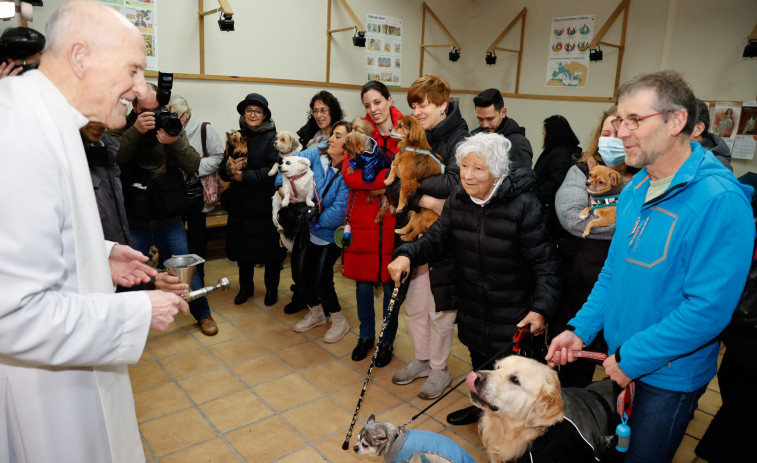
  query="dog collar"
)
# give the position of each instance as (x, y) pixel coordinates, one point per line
(419, 150)
(603, 201)
(290, 151)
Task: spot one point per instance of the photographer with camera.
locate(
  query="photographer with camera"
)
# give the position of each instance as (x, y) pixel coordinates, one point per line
(20, 50)
(154, 155)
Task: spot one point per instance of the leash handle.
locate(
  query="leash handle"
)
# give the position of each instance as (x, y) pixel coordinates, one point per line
(625, 398)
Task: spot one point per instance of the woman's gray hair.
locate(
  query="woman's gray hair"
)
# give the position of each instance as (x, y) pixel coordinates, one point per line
(493, 147)
(179, 104)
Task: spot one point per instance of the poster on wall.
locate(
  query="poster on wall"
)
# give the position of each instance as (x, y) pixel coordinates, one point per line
(568, 56)
(725, 119)
(143, 14)
(745, 141)
(383, 49)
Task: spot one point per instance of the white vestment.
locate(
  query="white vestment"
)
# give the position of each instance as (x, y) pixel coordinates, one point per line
(65, 337)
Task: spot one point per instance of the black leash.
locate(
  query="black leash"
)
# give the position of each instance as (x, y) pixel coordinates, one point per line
(390, 308)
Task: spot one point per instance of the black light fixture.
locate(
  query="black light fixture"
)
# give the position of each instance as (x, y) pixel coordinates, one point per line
(225, 22)
(34, 3)
(491, 58)
(454, 55)
(358, 39)
(595, 54)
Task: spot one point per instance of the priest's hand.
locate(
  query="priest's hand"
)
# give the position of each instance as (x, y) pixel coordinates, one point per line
(164, 307)
(127, 266)
(170, 283)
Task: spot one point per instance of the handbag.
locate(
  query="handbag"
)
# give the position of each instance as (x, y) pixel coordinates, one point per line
(211, 183)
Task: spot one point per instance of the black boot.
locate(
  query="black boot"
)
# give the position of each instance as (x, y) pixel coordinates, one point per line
(463, 416)
(297, 303)
(271, 278)
(361, 350)
(384, 356)
(246, 284)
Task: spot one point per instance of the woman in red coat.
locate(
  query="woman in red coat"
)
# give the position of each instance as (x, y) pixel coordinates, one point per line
(370, 249)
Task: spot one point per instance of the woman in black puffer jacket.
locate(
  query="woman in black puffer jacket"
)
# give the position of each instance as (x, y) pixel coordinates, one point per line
(251, 237)
(506, 266)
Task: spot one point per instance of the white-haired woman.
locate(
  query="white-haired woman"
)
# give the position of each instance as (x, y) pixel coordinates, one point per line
(506, 265)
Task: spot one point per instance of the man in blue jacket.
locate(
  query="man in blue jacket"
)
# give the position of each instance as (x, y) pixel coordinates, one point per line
(676, 267)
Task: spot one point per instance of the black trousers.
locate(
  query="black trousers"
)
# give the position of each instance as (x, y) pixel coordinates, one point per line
(271, 277)
(313, 274)
(197, 239)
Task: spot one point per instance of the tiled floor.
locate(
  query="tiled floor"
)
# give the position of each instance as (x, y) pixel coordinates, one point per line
(260, 392)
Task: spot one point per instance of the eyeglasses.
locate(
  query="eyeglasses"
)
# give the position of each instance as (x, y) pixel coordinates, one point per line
(319, 111)
(632, 122)
(257, 112)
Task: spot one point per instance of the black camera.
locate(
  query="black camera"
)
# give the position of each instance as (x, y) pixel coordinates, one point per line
(165, 119)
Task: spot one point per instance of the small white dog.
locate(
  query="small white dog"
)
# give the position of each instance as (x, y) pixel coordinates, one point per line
(297, 186)
(287, 145)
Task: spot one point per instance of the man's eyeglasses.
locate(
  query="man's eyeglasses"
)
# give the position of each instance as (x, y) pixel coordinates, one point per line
(257, 112)
(632, 122)
(319, 111)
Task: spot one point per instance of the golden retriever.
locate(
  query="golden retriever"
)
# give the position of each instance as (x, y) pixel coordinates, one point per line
(521, 399)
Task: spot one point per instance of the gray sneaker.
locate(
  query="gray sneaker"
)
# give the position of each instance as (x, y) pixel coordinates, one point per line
(412, 371)
(435, 384)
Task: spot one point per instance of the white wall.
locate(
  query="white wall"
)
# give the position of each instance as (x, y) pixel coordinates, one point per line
(286, 39)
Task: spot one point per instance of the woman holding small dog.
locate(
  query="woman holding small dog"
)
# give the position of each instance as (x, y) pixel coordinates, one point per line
(370, 250)
(506, 271)
(251, 237)
(313, 261)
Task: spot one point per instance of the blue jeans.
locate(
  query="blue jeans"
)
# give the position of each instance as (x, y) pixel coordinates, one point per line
(658, 422)
(171, 239)
(367, 316)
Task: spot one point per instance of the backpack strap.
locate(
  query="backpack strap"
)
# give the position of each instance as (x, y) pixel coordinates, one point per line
(204, 134)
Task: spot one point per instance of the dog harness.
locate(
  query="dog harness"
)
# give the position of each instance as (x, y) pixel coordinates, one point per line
(608, 199)
(422, 151)
(426, 443)
(293, 185)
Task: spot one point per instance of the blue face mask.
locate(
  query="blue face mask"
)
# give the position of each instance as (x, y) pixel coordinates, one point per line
(612, 151)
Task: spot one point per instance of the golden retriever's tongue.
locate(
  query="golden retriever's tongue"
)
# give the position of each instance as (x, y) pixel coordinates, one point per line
(470, 380)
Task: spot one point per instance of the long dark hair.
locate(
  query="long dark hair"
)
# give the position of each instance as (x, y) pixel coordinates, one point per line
(335, 110)
(557, 132)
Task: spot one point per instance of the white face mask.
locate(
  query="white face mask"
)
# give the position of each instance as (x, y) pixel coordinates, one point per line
(612, 151)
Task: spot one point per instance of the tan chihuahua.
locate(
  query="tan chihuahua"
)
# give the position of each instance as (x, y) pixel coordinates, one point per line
(604, 186)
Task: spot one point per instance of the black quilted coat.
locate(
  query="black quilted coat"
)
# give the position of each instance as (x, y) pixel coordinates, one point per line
(505, 262)
(250, 234)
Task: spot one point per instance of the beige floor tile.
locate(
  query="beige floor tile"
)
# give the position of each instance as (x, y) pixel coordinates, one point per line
(304, 355)
(332, 448)
(172, 328)
(685, 453)
(147, 375)
(260, 369)
(317, 419)
(287, 392)
(206, 386)
(332, 375)
(256, 322)
(265, 440)
(231, 311)
(308, 454)
(698, 425)
(376, 398)
(279, 338)
(235, 410)
(710, 402)
(177, 431)
(189, 363)
(146, 357)
(211, 451)
(159, 401)
(341, 348)
(236, 349)
(171, 344)
(226, 331)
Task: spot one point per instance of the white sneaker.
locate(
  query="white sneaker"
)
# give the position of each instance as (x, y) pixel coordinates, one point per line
(435, 384)
(339, 328)
(314, 318)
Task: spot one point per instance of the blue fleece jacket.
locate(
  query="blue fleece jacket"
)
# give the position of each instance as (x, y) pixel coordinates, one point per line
(676, 268)
(334, 205)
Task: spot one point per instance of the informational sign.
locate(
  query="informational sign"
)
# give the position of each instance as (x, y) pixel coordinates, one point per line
(144, 15)
(383, 49)
(568, 57)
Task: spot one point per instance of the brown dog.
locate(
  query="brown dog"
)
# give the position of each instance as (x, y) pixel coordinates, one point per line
(236, 147)
(414, 163)
(604, 185)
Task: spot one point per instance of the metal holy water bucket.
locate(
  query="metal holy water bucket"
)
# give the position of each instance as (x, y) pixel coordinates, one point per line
(183, 266)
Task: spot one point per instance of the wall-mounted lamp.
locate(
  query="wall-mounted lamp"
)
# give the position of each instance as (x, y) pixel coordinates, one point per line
(225, 23)
(595, 54)
(454, 55)
(491, 58)
(750, 51)
(7, 10)
(358, 39)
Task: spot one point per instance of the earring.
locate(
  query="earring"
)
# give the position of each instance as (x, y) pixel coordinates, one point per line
(441, 112)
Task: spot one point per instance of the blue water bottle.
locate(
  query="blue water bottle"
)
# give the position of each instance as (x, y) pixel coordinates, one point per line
(623, 432)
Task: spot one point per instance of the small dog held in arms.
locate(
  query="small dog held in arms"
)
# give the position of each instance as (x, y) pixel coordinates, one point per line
(604, 186)
(236, 147)
(287, 145)
(363, 153)
(297, 186)
(396, 444)
(527, 417)
(413, 163)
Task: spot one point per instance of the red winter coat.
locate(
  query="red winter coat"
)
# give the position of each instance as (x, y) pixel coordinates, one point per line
(369, 240)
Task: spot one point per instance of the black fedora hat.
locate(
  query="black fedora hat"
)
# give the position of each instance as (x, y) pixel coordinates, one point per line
(254, 99)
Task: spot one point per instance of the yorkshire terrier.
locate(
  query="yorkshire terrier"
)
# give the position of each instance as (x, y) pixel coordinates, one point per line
(236, 147)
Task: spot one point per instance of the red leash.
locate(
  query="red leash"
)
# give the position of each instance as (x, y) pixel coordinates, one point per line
(625, 398)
